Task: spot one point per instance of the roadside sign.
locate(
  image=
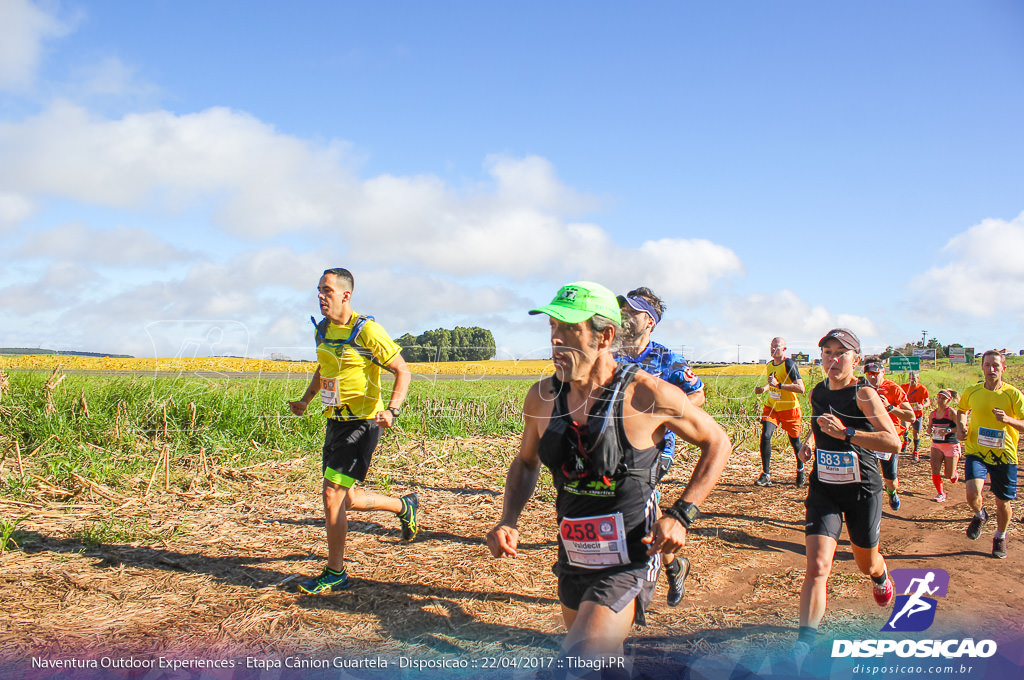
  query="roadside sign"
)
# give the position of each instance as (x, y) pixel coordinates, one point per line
(957, 355)
(897, 363)
(925, 353)
(802, 358)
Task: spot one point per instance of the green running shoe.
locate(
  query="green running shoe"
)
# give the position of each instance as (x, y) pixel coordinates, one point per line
(407, 518)
(326, 582)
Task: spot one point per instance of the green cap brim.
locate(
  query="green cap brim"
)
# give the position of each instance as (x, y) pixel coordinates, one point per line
(566, 314)
(577, 302)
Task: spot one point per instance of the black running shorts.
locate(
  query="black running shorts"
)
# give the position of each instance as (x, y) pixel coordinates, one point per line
(612, 588)
(862, 513)
(348, 446)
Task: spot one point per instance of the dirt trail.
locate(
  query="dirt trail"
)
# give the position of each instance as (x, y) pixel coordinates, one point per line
(219, 579)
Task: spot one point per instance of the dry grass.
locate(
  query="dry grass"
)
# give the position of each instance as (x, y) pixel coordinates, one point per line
(211, 571)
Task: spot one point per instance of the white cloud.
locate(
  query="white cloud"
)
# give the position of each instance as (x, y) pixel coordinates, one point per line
(983, 276)
(59, 287)
(109, 77)
(14, 209)
(267, 184)
(24, 27)
(131, 246)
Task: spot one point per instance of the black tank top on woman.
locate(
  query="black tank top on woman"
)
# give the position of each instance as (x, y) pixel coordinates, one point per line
(595, 470)
(949, 423)
(842, 403)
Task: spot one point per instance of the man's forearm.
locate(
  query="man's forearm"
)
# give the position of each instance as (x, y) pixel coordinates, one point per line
(312, 389)
(520, 482)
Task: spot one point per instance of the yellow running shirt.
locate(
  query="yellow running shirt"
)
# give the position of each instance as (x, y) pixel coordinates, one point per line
(786, 373)
(350, 381)
(987, 438)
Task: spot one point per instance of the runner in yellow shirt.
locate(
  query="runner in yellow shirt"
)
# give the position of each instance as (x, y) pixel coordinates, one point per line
(352, 349)
(990, 438)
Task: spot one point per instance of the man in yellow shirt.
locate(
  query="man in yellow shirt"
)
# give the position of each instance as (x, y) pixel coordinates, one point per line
(351, 350)
(990, 445)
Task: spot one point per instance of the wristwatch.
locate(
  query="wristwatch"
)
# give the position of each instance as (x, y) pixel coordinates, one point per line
(395, 411)
(889, 408)
(849, 433)
(683, 511)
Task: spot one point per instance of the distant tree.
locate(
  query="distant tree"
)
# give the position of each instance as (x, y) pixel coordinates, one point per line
(443, 344)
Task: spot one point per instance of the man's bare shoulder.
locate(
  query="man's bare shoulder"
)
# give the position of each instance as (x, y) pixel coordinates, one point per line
(648, 393)
(540, 397)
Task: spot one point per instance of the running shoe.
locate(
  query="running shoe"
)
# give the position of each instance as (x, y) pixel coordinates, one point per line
(883, 593)
(999, 547)
(954, 479)
(677, 580)
(407, 518)
(941, 498)
(917, 456)
(800, 477)
(800, 651)
(974, 528)
(894, 501)
(764, 480)
(326, 582)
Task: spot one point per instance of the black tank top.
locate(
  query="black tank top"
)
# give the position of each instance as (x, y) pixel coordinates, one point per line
(843, 404)
(950, 437)
(595, 470)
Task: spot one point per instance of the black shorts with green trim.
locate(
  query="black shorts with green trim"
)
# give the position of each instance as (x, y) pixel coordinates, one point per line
(614, 588)
(348, 447)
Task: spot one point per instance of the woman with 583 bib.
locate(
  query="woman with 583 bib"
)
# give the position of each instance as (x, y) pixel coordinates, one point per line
(848, 425)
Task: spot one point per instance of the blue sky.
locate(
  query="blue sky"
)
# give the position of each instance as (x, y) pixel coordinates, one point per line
(175, 175)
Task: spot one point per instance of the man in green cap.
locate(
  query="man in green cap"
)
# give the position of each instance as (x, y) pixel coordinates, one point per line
(598, 427)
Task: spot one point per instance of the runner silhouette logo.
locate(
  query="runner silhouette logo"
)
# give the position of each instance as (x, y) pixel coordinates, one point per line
(915, 605)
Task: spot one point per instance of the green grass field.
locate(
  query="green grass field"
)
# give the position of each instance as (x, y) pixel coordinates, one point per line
(110, 430)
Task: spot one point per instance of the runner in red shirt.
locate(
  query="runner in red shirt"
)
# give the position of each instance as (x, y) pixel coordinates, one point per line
(895, 401)
(917, 396)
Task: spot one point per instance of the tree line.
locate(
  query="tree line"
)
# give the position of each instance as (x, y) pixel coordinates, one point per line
(444, 344)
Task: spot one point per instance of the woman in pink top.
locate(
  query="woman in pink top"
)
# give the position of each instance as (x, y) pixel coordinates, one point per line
(945, 447)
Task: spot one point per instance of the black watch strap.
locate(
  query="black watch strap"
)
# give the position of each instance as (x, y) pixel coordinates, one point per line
(395, 411)
(684, 512)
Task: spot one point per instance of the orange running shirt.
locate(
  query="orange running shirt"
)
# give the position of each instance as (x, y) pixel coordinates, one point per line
(916, 395)
(893, 394)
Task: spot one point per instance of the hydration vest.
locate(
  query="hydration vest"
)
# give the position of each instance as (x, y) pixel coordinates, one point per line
(338, 345)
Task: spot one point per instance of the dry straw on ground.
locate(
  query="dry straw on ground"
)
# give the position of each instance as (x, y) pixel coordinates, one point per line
(210, 569)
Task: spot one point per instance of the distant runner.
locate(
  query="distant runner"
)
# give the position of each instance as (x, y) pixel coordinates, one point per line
(641, 311)
(946, 450)
(351, 350)
(896, 404)
(848, 426)
(918, 397)
(599, 427)
(782, 409)
(990, 445)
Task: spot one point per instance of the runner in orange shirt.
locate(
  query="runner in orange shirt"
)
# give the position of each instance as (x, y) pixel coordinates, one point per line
(917, 396)
(896, 404)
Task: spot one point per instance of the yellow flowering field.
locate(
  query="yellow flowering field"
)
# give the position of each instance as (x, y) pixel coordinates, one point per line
(237, 365)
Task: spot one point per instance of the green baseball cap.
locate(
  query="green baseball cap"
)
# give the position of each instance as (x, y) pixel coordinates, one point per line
(579, 301)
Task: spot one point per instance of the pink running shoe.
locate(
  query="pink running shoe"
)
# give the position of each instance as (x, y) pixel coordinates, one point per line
(941, 498)
(884, 594)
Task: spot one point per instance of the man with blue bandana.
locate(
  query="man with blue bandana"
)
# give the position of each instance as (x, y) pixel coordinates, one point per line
(641, 311)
